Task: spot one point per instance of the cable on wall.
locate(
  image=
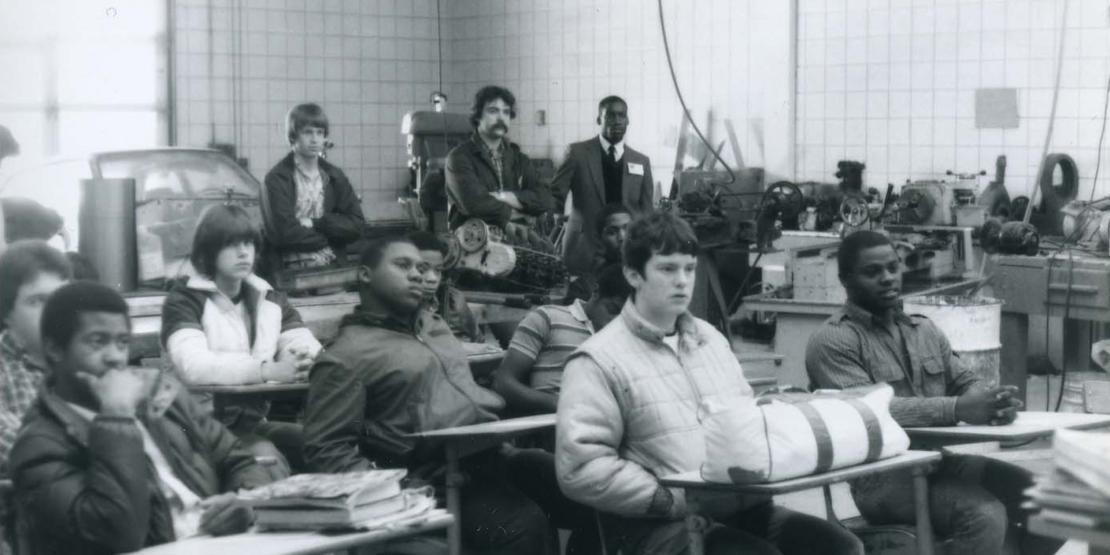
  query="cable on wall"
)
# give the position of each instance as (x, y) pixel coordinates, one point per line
(682, 100)
(1052, 113)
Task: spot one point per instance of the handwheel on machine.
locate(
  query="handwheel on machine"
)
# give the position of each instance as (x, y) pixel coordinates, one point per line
(784, 199)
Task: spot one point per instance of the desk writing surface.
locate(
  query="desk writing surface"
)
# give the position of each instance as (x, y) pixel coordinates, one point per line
(250, 389)
(1093, 536)
(296, 543)
(1028, 425)
(693, 480)
(511, 426)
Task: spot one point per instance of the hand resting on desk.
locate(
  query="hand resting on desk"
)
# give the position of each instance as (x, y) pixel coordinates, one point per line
(225, 514)
(995, 406)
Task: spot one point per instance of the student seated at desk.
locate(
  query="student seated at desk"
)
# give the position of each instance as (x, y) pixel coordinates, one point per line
(227, 326)
(870, 340)
(628, 413)
(312, 212)
(30, 271)
(440, 297)
(113, 459)
(531, 373)
(396, 370)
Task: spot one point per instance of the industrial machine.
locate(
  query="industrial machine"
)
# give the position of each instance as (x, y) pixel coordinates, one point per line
(430, 136)
(482, 255)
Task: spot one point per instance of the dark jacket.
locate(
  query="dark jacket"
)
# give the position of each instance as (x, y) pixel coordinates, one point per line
(471, 178)
(342, 222)
(581, 174)
(88, 487)
(382, 380)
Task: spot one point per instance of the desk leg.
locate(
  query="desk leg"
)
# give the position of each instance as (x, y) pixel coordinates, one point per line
(696, 526)
(921, 507)
(454, 532)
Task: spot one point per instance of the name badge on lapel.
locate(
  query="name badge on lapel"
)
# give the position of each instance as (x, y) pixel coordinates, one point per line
(635, 169)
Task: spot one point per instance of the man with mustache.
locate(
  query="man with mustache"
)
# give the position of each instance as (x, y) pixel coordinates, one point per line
(598, 172)
(488, 177)
(973, 500)
(311, 211)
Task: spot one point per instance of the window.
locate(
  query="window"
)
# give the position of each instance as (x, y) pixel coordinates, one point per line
(82, 76)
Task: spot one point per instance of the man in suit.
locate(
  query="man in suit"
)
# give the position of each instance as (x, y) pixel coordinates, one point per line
(600, 171)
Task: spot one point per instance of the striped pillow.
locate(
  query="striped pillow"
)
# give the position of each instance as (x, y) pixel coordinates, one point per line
(746, 442)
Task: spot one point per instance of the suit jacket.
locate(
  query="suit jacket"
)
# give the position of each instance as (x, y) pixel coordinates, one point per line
(470, 178)
(581, 174)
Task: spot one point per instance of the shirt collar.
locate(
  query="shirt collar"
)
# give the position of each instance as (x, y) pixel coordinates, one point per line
(853, 311)
(12, 350)
(501, 147)
(578, 310)
(606, 144)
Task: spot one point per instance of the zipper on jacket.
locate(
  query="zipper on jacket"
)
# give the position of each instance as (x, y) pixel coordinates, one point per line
(686, 373)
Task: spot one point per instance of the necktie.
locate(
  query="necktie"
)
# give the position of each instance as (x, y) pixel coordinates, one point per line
(613, 153)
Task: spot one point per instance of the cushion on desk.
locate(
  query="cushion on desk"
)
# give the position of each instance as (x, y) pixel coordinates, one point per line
(746, 442)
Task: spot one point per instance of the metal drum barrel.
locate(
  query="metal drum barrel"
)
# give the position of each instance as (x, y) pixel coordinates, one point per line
(973, 328)
(107, 224)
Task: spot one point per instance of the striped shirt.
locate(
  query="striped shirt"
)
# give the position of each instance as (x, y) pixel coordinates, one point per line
(854, 347)
(548, 335)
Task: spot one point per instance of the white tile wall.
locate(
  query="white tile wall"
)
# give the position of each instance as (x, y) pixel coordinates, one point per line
(907, 72)
(732, 58)
(367, 62)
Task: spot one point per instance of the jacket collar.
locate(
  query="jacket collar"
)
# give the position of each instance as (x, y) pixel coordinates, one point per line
(686, 326)
(856, 313)
(289, 166)
(377, 318)
(254, 287)
(76, 426)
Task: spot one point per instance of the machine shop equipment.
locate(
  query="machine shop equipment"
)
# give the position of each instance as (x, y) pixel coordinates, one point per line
(483, 256)
(429, 137)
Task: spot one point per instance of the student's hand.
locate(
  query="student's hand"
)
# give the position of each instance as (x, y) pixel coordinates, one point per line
(985, 406)
(306, 222)
(225, 514)
(118, 391)
(303, 356)
(279, 370)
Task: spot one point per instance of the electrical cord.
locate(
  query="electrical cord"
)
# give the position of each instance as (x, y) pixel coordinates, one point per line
(682, 100)
(1067, 305)
(1052, 112)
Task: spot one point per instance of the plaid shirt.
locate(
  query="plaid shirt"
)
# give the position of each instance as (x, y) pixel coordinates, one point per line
(20, 379)
(498, 157)
(854, 348)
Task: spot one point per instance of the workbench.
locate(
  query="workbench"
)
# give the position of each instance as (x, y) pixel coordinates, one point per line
(1075, 288)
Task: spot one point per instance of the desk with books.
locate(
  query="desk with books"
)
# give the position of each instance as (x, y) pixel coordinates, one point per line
(466, 440)
(303, 543)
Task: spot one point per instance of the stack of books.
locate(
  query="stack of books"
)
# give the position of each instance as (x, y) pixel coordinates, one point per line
(1077, 490)
(352, 500)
